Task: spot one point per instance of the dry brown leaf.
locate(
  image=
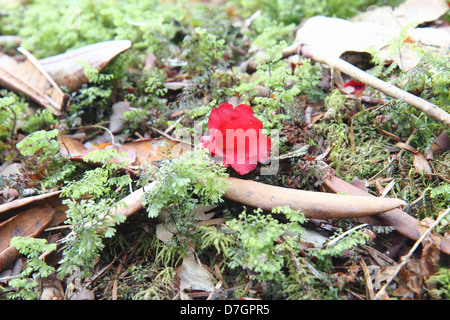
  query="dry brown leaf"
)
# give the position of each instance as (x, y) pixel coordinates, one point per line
(117, 122)
(165, 231)
(336, 36)
(429, 261)
(82, 294)
(28, 223)
(318, 205)
(406, 147)
(384, 274)
(421, 163)
(150, 150)
(51, 289)
(10, 209)
(410, 11)
(440, 145)
(71, 147)
(139, 152)
(410, 282)
(193, 275)
(30, 78)
(151, 61)
(27, 217)
(413, 277)
(68, 72)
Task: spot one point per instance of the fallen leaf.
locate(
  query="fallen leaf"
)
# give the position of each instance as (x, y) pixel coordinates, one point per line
(410, 11)
(440, 145)
(9, 194)
(66, 70)
(317, 205)
(150, 61)
(82, 294)
(51, 289)
(429, 261)
(71, 147)
(359, 184)
(410, 282)
(31, 79)
(8, 168)
(371, 30)
(193, 275)
(165, 231)
(26, 217)
(117, 121)
(406, 147)
(150, 150)
(414, 272)
(421, 163)
(29, 223)
(10, 209)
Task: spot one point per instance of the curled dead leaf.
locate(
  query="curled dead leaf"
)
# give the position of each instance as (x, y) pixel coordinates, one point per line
(150, 150)
(318, 205)
(193, 275)
(28, 223)
(420, 162)
(66, 70)
(70, 147)
(31, 79)
(51, 289)
(440, 145)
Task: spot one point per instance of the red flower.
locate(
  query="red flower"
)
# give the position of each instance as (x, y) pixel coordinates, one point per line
(235, 136)
(356, 85)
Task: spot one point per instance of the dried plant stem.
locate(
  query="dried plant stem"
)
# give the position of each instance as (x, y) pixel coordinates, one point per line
(369, 284)
(409, 254)
(335, 240)
(343, 66)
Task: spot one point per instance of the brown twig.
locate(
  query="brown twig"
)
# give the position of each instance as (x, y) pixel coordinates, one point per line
(430, 109)
(369, 284)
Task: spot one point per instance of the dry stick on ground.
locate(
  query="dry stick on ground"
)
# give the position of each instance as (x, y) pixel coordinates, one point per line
(343, 66)
(369, 284)
(407, 256)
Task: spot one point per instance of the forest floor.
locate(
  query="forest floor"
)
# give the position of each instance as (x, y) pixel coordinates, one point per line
(224, 150)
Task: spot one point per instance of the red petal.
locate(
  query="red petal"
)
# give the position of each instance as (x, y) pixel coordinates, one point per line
(235, 136)
(243, 110)
(243, 168)
(359, 86)
(220, 117)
